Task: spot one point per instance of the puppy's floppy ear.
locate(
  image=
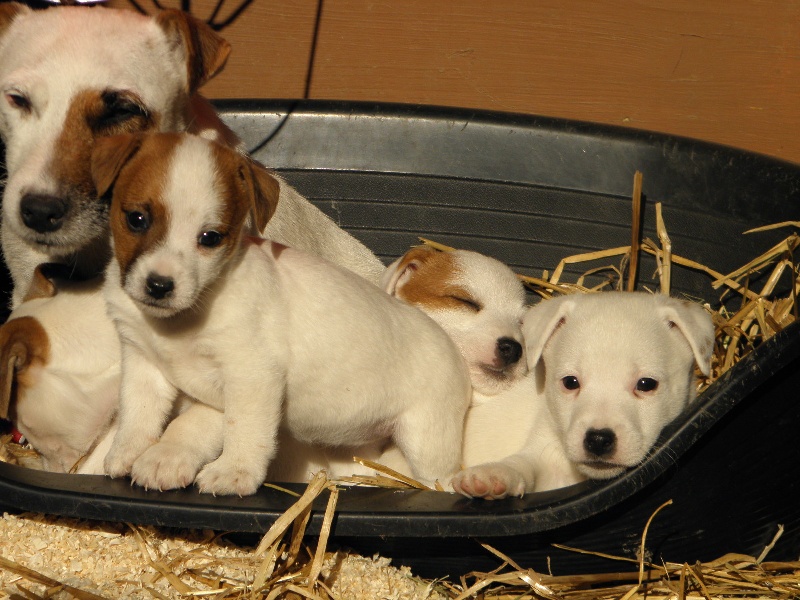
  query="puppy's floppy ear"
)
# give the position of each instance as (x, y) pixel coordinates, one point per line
(22, 341)
(109, 156)
(9, 11)
(695, 323)
(541, 322)
(400, 271)
(204, 52)
(263, 189)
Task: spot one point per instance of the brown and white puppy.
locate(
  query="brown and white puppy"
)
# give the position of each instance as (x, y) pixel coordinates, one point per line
(60, 392)
(70, 75)
(608, 372)
(477, 300)
(260, 331)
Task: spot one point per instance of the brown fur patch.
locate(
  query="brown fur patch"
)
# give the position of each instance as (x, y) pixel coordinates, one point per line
(92, 113)
(9, 11)
(23, 342)
(432, 284)
(206, 52)
(248, 188)
(140, 187)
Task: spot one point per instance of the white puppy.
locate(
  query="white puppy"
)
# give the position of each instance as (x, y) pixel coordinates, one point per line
(479, 302)
(260, 331)
(60, 392)
(608, 372)
(69, 75)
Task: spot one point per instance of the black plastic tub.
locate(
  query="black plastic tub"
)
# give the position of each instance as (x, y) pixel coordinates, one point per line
(528, 191)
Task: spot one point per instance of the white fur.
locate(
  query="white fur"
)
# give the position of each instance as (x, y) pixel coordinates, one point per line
(613, 344)
(274, 334)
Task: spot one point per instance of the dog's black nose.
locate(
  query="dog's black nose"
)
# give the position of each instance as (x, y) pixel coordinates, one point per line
(158, 286)
(42, 212)
(600, 442)
(508, 351)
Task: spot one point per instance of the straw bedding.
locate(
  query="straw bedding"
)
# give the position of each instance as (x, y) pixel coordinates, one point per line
(46, 557)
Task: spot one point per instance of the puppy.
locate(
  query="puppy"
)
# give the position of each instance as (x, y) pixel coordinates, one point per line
(479, 302)
(60, 393)
(260, 331)
(608, 372)
(70, 75)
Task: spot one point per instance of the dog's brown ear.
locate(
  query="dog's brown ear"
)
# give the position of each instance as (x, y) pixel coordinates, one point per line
(263, 190)
(204, 51)
(541, 322)
(400, 271)
(8, 12)
(109, 156)
(22, 341)
(696, 325)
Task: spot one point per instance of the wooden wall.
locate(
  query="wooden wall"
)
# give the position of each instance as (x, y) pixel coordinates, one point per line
(726, 71)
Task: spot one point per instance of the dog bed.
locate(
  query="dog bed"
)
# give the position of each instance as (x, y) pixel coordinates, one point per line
(527, 191)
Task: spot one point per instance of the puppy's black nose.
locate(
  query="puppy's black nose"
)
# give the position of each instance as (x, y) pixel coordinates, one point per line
(42, 212)
(158, 286)
(600, 442)
(508, 351)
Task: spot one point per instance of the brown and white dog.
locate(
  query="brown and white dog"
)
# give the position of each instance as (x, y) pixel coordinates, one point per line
(60, 392)
(265, 333)
(70, 75)
(608, 372)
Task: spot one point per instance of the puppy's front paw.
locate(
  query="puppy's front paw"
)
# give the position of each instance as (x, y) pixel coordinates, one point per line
(225, 477)
(120, 458)
(166, 466)
(491, 481)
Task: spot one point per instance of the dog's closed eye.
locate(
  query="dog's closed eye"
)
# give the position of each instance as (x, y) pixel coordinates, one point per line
(120, 111)
(467, 302)
(18, 100)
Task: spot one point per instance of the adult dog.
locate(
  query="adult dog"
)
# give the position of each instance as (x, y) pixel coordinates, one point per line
(70, 75)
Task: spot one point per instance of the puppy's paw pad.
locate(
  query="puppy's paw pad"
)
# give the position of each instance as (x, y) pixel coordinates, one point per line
(165, 467)
(490, 482)
(223, 479)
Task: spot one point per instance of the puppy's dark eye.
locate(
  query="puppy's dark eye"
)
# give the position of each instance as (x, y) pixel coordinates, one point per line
(469, 303)
(137, 222)
(570, 382)
(19, 101)
(646, 384)
(210, 239)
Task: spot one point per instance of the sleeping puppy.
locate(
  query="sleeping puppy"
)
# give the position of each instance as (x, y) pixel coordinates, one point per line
(476, 299)
(70, 75)
(60, 392)
(608, 372)
(260, 331)
(479, 302)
